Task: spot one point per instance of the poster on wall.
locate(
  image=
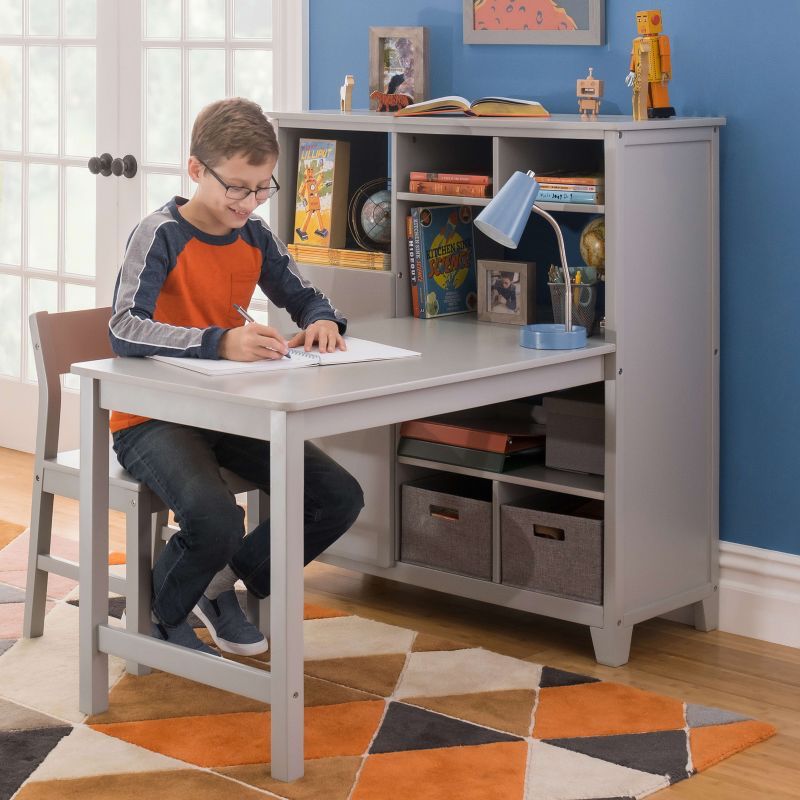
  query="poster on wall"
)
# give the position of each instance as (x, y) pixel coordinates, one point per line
(534, 21)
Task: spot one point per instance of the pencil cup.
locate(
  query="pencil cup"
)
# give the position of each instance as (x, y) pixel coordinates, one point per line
(584, 300)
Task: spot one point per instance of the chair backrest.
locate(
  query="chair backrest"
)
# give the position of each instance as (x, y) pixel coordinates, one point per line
(60, 340)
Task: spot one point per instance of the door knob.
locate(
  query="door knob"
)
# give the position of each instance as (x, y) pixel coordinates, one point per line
(101, 165)
(124, 166)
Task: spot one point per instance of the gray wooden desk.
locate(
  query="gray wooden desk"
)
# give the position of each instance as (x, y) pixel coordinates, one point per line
(463, 364)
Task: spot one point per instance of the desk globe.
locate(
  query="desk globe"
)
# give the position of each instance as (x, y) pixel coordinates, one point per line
(369, 215)
(593, 243)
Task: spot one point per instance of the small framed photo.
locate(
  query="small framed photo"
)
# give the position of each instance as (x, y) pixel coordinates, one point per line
(507, 291)
(534, 22)
(398, 63)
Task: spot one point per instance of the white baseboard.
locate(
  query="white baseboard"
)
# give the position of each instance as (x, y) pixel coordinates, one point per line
(759, 594)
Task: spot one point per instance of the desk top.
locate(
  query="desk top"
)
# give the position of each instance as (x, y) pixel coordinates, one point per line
(454, 349)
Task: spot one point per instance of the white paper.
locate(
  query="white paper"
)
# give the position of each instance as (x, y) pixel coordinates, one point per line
(357, 350)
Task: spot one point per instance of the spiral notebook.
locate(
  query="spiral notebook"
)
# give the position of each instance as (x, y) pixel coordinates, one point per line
(357, 350)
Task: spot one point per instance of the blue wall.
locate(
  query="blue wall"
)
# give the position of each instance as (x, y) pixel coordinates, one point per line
(730, 58)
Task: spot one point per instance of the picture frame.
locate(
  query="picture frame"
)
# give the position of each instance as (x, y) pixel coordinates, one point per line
(580, 22)
(506, 291)
(398, 62)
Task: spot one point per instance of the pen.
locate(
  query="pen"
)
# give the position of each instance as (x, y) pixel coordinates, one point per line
(248, 318)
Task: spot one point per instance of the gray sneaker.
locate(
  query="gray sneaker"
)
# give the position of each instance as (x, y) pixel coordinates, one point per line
(183, 635)
(229, 627)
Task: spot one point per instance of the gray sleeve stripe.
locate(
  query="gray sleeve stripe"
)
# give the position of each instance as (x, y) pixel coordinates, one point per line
(125, 325)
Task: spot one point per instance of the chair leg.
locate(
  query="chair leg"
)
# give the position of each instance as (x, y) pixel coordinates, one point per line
(139, 528)
(36, 583)
(257, 511)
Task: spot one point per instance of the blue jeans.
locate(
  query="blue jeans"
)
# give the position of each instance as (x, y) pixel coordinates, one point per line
(182, 466)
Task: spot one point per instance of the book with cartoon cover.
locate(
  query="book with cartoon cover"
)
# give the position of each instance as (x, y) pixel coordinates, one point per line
(321, 203)
(444, 243)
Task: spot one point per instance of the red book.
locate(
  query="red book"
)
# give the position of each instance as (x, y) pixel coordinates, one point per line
(412, 266)
(474, 438)
(450, 177)
(454, 189)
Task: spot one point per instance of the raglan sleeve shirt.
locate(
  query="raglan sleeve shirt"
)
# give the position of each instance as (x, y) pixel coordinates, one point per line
(177, 285)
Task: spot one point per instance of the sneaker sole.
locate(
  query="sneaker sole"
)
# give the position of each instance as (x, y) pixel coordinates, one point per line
(254, 649)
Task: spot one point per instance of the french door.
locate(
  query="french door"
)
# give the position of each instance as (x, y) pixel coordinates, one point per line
(115, 85)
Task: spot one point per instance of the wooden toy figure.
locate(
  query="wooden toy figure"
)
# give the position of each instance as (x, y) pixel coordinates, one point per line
(590, 90)
(650, 58)
(346, 93)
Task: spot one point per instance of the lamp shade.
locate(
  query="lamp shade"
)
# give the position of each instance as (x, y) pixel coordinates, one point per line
(505, 217)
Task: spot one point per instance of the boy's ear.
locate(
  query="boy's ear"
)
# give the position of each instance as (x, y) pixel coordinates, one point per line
(195, 169)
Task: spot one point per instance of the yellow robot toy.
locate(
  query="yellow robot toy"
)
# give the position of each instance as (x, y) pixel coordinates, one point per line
(309, 193)
(650, 64)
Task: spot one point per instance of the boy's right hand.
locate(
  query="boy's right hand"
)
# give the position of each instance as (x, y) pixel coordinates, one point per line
(252, 342)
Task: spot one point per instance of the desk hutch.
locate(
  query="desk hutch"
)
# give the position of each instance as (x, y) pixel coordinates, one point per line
(660, 488)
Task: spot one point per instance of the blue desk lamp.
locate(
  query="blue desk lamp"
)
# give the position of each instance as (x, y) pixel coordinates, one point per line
(504, 220)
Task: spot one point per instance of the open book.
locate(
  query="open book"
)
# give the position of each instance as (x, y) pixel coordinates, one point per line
(483, 107)
(357, 350)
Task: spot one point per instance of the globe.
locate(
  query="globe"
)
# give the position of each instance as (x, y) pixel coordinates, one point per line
(593, 243)
(376, 217)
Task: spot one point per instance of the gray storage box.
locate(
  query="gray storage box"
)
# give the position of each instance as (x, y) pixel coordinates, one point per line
(558, 552)
(447, 524)
(575, 438)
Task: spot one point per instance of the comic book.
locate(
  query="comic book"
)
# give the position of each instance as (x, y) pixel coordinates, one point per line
(445, 247)
(321, 203)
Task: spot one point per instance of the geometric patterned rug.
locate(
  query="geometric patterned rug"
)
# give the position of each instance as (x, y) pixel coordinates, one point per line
(390, 713)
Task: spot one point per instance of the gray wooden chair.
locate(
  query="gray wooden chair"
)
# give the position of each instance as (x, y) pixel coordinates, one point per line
(60, 340)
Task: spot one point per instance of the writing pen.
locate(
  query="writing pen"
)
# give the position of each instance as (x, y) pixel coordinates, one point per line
(248, 318)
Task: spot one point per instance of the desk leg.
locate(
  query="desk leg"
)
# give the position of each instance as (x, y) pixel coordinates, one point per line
(286, 606)
(93, 570)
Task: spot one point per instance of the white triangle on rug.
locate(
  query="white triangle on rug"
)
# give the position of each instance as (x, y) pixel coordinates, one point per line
(558, 774)
(438, 673)
(350, 637)
(86, 753)
(42, 673)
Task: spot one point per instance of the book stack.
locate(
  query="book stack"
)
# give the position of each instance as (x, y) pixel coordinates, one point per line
(334, 257)
(569, 187)
(449, 183)
(494, 445)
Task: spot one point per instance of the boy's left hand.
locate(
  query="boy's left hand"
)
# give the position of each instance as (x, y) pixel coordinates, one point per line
(324, 332)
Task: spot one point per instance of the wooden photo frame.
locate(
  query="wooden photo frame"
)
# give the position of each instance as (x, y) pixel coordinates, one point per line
(398, 65)
(534, 22)
(506, 291)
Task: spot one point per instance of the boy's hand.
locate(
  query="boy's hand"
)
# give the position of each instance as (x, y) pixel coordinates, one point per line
(252, 342)
(325, 332)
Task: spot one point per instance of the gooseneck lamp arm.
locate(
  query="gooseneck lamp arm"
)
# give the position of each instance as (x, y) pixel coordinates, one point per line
(564, 268)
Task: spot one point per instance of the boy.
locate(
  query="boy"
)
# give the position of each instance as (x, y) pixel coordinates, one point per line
(185, 267)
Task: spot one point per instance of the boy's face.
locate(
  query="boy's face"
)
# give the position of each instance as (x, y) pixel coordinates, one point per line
(220, 210)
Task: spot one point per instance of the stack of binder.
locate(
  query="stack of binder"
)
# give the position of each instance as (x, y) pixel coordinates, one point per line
(491, 445)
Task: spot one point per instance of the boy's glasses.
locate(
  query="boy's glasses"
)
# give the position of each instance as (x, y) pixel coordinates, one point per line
(242, 192)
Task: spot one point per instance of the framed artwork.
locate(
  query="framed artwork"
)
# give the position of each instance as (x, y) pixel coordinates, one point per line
(398, 63)
(534, 21)
(506, 291)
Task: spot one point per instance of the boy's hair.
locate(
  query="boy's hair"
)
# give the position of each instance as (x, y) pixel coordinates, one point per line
(231, 127)
(507, 275)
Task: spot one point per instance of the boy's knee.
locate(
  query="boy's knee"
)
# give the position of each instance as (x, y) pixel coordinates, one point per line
(350, 501)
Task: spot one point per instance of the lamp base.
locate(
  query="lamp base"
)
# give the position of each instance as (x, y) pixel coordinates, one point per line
(552, 336)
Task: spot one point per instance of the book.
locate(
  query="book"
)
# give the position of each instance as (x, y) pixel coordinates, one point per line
(444, 245)
(558, 196)
(476, 436)
(358, 350)
(466, 456)
(564, 176)
(570, 187)
(323, 167)
(336, 257)
(482, 107)
(442, 187)
(450, 177)
(412, 265)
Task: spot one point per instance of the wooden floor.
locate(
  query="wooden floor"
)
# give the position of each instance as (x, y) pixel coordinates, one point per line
(718, 669)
